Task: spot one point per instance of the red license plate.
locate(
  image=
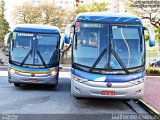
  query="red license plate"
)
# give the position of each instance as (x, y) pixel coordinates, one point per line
(112, 93)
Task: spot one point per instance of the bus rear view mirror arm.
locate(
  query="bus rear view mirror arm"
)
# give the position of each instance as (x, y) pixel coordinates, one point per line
(67, 33)
(61, 43)
(151, 36)
(6, 39)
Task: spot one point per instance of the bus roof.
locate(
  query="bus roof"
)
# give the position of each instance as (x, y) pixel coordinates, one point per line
(107, 17)
(35, 28)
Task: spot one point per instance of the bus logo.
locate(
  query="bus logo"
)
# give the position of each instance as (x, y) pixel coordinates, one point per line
(109, 84)
(32, 74)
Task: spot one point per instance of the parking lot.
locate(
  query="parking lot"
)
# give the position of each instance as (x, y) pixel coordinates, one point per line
(38, 99)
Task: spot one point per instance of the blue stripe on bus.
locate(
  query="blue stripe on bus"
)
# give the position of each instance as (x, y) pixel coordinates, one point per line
(109, 19)
(108, 78)
(34, 30)
(86, 18)
(130, 19)
(101, 18)
(32, 69)
(118, 19)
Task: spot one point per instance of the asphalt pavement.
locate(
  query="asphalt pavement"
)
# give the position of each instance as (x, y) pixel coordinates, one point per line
(39, 102)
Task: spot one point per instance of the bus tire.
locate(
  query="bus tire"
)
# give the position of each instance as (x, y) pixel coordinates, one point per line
(78, 98)
(53, 86)
(17, 84)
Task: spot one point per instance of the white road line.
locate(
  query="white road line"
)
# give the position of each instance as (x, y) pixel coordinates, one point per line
(65, 74)
(66, 67)
(4, 73)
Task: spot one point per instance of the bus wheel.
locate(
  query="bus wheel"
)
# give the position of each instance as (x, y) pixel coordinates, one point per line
(17, 84)
(127, 99)
(53, 86)
(78, 98)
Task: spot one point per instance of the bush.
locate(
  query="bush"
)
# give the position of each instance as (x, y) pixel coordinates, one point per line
(155, 70)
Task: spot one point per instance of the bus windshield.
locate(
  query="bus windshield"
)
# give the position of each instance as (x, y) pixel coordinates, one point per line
(34, 49)
(124, 45)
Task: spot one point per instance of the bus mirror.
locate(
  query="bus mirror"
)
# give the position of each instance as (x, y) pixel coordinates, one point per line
(60, 67)
(151, 36)
(67, 33)
(6, 39)
(61, 43)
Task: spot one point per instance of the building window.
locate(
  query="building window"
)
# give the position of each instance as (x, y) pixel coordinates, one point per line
(77, 1)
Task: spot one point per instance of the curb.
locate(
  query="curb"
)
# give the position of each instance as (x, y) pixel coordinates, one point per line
(152, 76)
(149, 109)
(3, 66)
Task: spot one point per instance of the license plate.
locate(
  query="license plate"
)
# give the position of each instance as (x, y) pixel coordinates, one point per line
(32, 80)
(112, 93)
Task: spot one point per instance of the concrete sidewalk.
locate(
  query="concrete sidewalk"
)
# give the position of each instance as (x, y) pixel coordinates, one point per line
(151, 99)
(152, 92)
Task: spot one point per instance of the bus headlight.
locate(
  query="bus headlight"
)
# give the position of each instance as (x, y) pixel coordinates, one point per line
(53, 72)
(12, 71)
(138, 81)
(79, 79)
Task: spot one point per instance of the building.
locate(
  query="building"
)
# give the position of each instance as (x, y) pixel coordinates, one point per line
(114, 5)
(66, 4)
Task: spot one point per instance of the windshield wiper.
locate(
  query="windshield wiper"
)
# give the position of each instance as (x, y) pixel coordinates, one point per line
(98, 59)
(40, 56)
(26, 57)
(119, 60)
(14, 62)
(54, 56)
(116, 57)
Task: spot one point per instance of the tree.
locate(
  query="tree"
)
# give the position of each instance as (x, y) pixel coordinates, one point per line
(93, 7)
(149, 11)
(146, 10)
(59, 18)
(48, 12)
(44, 13)
(27, 13)
(4, 26)
(52, 15)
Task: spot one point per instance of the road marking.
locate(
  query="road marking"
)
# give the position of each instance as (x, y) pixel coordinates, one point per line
(65, 74)
(4, 73)
(66, 67)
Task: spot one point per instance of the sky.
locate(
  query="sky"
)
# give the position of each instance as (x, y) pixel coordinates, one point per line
(9, 7)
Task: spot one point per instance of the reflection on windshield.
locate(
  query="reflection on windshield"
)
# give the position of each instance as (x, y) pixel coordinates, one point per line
(21, 45)
(34, 49)
(92, 39)
(128, 45)
(125, 42)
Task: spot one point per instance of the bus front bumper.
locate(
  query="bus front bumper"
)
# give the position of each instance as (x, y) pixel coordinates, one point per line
(38, 79)
(92, 89)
